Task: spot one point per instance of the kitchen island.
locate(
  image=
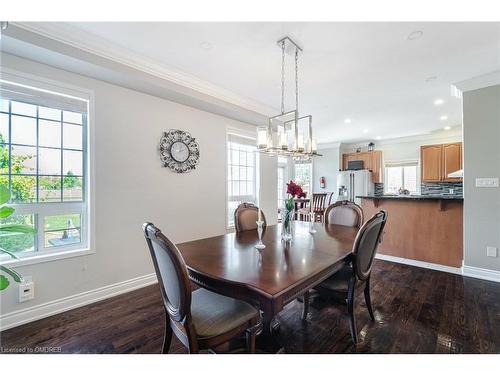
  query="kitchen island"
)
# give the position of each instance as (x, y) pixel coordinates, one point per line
(426, 228)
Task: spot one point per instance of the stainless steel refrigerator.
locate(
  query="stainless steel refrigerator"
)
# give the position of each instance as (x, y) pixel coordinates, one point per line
(351, 184)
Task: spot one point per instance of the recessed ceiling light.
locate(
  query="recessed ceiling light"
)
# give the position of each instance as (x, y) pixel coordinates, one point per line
(415, 35)
(443, 118)
(438, 101)
(205, 45)
(378, 137)
(431, 79)
(347, 120)
(447, 127)
(365, 130)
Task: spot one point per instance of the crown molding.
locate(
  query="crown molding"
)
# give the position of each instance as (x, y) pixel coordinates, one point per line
(454, 133)
(328, 145)
(475, 83)
(76, 38)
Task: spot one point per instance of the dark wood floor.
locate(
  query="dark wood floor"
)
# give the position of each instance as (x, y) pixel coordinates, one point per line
(416, 310)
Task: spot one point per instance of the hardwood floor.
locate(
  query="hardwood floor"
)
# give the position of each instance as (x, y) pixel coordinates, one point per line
(416, 311)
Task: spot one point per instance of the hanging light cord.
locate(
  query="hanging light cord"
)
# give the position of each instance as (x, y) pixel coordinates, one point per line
(282, 77)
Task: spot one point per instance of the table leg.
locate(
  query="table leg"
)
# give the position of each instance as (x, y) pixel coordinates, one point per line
(267, 341)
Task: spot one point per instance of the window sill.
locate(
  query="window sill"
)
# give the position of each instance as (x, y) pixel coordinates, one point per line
(59, 255)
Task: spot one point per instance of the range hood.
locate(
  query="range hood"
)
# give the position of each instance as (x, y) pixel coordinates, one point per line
(457, 174)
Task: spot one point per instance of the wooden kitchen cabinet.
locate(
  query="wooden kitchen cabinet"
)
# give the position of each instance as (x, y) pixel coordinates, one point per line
(437, 161)
(372, 160)
(432, 163)
(452, 160)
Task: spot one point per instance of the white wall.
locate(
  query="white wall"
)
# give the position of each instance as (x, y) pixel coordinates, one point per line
(481, 114)
(132, 187)
(326, 166)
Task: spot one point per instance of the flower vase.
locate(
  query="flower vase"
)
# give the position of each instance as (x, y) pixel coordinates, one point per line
(287, 220)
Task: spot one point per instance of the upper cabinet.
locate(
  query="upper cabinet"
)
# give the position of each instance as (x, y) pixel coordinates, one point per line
(437, 161)
(452, 160)
(432, 163)
(372, 160)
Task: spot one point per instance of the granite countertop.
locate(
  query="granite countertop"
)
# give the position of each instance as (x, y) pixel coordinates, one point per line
(414, 197)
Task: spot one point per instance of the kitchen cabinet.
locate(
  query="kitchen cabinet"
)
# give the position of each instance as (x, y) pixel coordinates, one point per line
(372, 160)
(452, 160)
(431, 163)
(437, 161)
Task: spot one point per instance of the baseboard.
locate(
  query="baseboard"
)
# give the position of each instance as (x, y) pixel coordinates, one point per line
(481, 273)
(30, 314)
(421, 264)
(469, 271)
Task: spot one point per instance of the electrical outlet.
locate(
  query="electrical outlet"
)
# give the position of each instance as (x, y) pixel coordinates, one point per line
(491, 251)
(26, 291)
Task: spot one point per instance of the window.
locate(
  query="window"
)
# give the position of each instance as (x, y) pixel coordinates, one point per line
(282, 180)
(43, 142)
(401, 175)
(241, 169)
(303, 176)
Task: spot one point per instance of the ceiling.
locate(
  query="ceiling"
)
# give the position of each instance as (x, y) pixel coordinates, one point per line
(371, 73)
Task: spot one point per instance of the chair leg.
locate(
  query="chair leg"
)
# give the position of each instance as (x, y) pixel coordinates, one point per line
(305, 306)
(168, 336)
(368, 298)
(350, 309)
(250, 341)
(250, 335)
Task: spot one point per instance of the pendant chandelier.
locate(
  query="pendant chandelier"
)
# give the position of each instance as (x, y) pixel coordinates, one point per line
(288, 134)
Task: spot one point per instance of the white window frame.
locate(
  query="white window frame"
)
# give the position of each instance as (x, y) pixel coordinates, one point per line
(404, 163)
(241, 134)
(311, 187)
(86, 208)
(285, 167)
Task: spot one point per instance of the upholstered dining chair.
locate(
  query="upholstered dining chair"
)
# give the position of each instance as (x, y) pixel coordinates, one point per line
(200, 319)
(344, 213)
(246, 216)
(356, 270)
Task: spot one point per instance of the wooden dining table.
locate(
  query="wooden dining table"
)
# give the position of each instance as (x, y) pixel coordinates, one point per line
(270, 278)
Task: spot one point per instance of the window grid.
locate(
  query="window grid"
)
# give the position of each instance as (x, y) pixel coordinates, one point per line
(241, 176)
(39, 210)
(61, 121)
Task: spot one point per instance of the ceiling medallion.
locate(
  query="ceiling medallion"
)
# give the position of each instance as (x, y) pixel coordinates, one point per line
(288, 134)
(179, 151)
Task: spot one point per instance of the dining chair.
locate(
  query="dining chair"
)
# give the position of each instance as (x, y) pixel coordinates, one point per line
(344, 213)
(246, 216)
(200, 319)
(316, 208)
(357, 269)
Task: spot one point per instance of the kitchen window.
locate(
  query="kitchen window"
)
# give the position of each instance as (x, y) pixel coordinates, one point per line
(241, 173)
(402, 175)
(43, 162)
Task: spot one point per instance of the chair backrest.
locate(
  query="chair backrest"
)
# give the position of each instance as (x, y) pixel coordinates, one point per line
(344, 213)
(366, 243)
(245, 217)
(171, 272)
(318, 201)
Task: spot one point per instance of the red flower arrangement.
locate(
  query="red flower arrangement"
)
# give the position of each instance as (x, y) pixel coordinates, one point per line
(295, 190)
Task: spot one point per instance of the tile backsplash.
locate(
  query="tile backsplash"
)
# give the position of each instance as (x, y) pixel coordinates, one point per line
(437, 188)
(430, 188)
(379, 189)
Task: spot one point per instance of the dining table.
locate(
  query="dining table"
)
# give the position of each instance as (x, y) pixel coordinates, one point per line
(272, 277)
